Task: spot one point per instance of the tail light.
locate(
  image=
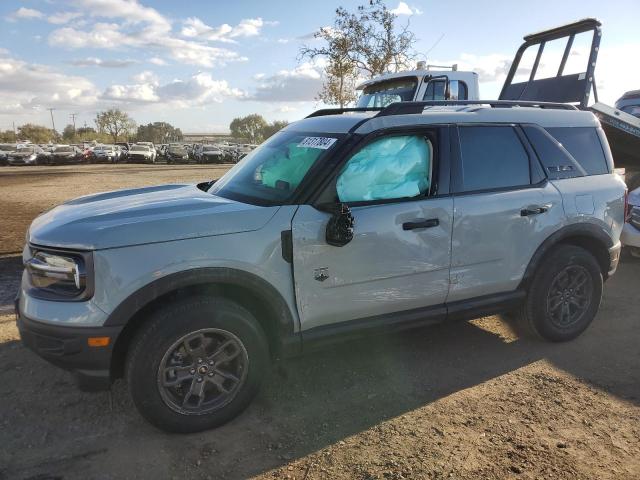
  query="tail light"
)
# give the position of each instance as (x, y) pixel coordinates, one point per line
(627, 207)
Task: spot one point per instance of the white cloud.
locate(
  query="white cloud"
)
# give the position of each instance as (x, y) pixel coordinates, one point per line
(135, 26)
(193, 27)
(25, 87)
(303, 83)
(61, 18)
(98, 62)
(197, 90)
(405, 9)
(158, 61)
(24, 13)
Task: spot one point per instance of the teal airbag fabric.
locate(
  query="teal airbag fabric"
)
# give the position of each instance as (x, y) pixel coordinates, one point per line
(289, 166)
(392, 167)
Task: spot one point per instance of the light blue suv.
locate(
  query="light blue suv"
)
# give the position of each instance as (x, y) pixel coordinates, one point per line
(343, 223)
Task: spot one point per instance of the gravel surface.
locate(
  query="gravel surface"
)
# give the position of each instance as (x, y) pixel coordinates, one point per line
(464, 400)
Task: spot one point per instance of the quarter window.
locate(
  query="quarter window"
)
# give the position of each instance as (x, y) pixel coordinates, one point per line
(389, 168)
(584, 145)
(492, 157)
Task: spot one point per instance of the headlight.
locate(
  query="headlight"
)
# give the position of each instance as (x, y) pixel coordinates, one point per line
(31, 158)
(60, 275)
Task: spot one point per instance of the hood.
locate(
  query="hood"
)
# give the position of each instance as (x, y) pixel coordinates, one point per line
(21, 154)
(63, 154)
(144, 215)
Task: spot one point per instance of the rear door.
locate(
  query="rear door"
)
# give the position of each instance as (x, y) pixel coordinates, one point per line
(504, 208)
(399, 257)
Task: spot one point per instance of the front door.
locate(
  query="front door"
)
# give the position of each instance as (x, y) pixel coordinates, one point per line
(399, 257)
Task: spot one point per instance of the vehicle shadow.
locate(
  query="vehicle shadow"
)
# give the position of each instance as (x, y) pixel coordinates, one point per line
(306, 405)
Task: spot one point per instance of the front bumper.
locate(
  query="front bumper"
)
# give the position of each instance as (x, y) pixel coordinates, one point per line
(68, 348)
(630, 236)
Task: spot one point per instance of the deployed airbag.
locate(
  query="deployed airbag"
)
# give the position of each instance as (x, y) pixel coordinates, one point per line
(392, 167)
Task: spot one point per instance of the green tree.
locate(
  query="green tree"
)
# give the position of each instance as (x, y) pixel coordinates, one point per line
(8, 136)
(250, 127)
(69, 134)
(367, 42)
(158, 132)
(116, 123)
(273, 127)
(37, 133)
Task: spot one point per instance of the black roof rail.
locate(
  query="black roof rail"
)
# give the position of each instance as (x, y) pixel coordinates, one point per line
(402, 108)
(338, 111)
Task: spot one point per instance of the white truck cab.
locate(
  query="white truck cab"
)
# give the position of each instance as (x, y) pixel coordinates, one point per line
(422, 84)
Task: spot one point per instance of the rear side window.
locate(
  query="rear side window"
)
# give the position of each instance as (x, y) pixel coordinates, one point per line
(584, 145)
(492, 157)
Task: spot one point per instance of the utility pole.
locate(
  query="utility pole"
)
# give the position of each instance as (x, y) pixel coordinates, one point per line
(52, 122)
(15, 134)
(73, 118)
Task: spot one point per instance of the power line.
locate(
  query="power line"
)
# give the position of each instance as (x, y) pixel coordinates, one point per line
(73, 118)
(53, 124)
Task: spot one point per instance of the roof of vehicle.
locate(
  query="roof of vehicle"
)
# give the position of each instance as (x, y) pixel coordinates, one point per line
(452, 74)
(545, 117)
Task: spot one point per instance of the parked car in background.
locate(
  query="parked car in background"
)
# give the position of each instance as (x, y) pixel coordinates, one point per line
(141, 153)
(177, 153)
(209, 154)
(630, 103)
(5, 150)
(152, 149)
(27, 155)
(631, 232)
(106, 153)
(66, 154)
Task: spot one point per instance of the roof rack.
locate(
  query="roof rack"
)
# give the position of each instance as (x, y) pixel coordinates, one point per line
(338, 111)
(404, 108)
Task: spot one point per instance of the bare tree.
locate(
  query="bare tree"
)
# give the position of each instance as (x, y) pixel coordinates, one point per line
(366, 42)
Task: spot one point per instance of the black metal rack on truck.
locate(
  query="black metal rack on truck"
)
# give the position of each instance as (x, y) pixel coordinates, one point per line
(622, 129)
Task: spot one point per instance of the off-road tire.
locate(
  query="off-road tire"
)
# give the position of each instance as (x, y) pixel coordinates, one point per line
(169, 324)
(535, 317)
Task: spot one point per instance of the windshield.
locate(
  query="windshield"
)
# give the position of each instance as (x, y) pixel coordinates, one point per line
(177, 149)
(381, 94)
(210, 149)
(139, 148)
(271, 174)
(63, 149)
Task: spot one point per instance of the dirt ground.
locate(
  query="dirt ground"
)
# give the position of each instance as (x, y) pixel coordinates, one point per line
(464, 400)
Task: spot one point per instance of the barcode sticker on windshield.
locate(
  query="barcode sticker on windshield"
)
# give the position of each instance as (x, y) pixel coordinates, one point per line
(322, 143)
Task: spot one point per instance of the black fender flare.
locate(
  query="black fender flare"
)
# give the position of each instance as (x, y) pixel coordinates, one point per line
(584, 230)
(135, 302)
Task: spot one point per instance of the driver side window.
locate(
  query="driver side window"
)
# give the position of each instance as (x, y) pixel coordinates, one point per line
(389, 168)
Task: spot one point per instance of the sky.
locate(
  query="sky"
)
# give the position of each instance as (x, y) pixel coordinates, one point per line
(199, 64)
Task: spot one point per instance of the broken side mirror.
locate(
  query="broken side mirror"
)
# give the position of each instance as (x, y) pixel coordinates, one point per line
(339, 230)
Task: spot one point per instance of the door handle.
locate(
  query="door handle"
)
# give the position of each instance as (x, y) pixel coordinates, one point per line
(416, 224)
(534, 210)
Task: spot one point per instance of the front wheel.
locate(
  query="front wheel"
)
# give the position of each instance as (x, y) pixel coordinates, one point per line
(564, 295)
(197, 364)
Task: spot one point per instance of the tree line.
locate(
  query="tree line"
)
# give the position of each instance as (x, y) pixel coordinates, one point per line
(112, 126)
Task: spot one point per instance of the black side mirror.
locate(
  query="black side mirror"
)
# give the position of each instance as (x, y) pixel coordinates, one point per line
(340, 227)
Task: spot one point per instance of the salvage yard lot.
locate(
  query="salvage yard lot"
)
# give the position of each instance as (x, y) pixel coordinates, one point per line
(464, 400)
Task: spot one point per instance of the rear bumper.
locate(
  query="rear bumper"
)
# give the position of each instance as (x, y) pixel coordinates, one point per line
(67, 347)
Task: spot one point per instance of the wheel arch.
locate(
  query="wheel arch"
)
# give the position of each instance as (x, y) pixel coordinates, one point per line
(252, 292)
(589, 236)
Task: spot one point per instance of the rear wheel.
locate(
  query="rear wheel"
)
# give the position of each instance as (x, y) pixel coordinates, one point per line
(564, 295)
(197, 364)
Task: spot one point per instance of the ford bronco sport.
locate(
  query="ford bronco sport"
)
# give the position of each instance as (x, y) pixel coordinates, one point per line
(342, 223)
